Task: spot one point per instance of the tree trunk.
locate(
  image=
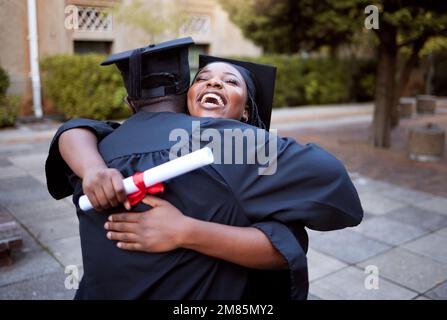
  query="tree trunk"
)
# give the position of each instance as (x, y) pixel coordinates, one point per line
(405, 77)
(385, 86)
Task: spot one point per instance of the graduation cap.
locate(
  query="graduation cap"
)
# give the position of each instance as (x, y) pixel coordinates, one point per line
(156, 70)
(260, 80)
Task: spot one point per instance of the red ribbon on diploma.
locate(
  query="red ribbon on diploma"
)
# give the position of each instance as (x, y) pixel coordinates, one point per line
(136, 197)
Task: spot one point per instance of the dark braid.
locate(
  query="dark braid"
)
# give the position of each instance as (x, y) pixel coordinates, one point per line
(253, 117)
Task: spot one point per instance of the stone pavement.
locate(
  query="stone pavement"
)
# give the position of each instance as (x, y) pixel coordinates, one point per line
(403, 235)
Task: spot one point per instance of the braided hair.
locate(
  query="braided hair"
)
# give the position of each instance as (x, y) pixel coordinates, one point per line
(253, 115)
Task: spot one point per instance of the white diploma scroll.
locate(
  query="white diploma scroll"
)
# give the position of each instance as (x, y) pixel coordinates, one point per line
(163, 172)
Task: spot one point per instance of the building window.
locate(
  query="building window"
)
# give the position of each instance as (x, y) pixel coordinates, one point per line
(94, 19)
(194, 52)
(197, 25)
(85, 47)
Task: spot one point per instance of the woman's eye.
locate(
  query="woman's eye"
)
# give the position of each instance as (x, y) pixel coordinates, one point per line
(200, 79)
(232, 81)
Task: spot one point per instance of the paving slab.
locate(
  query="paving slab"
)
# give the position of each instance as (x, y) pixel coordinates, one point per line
(11, 172)
(349, 284)
(422, 298)
(311, 296)
(54, 229)
(47, 287)
(348, 246)
(9, 149)
(433, 246)
(366, 185)
(28, 266)
(67, 251)
(389, 231)
(30, 162)
(376, 203)
(404, 195)
(320, 264)
(436, 204)
(4, 162)
(314, 233)
(443, 232)
(418, 217)
(19, 190)
(43, 210)
(409, 269)
(439, 292)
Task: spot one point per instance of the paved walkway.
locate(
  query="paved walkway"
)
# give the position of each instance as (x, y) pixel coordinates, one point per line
(404, 234)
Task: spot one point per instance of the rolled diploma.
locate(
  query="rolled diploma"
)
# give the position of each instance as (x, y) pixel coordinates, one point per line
(163, 172)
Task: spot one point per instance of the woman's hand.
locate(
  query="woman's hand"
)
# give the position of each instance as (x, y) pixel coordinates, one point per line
(104, 187)
(164, 228)
(159, 229)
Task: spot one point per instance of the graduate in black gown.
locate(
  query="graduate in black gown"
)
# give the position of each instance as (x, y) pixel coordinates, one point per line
(310, 188)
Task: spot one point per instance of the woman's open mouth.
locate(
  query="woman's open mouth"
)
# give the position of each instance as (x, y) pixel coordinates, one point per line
(212, 100)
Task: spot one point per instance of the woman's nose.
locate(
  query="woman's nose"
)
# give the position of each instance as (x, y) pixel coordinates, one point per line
(213, 82)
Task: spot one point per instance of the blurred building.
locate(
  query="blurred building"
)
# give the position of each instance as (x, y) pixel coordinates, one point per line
(97, 31)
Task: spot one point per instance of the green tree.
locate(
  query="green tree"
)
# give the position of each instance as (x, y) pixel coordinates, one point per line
(289, 26)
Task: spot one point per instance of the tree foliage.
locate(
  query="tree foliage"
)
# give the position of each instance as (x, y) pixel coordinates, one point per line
(290, 26)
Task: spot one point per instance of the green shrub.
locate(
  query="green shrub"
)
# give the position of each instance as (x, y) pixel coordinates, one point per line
(4, 82)
(9, 107)
(79, 87)
(319, 80)
(326, 81)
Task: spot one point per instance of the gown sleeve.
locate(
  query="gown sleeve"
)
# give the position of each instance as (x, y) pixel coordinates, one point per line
(310, 188)
(291, 241)
(58, 173)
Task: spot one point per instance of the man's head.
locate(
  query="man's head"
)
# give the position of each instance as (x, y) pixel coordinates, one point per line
(156, 73)
(173, 103)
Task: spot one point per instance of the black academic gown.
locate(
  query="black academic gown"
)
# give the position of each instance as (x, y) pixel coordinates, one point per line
(310, 188)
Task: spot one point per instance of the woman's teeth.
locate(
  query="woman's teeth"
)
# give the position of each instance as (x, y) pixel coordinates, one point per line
(212, 99)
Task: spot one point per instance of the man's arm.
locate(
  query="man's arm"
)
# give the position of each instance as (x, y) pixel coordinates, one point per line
(103, 186)
(59, 175)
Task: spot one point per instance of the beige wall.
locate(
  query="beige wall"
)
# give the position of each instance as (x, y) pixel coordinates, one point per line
(227, 39)
(53, 37)
(223, 38)
(14, 48)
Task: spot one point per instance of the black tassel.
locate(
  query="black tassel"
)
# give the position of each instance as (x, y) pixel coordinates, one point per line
(135, 73)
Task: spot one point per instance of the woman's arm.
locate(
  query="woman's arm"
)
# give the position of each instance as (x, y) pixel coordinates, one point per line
(245, 246)
(103, 186)
(165, 228)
